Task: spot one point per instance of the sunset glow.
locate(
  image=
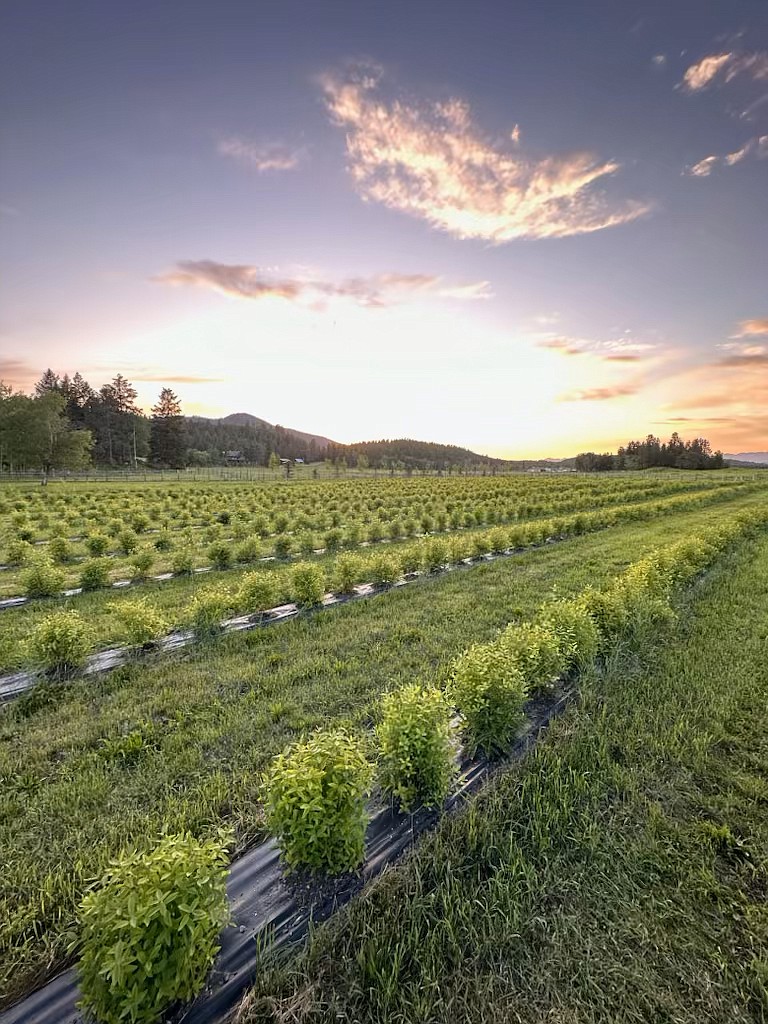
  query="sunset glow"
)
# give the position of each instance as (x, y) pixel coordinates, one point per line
(313, 214)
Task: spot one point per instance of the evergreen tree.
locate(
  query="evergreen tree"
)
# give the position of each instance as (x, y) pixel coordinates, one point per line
(167, 443)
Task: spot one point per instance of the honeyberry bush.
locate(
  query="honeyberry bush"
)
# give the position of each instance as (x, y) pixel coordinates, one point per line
(149, 930)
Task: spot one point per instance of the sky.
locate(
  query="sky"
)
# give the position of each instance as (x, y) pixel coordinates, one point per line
(528, 228)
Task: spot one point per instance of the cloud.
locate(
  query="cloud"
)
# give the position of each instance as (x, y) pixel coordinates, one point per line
(748, 328)
(174, 378)
(600, 394)
(703, 168)
(619, 350)
(251, 282)
(432, 162)
(18, 372)
(726, 65)
(268, 156)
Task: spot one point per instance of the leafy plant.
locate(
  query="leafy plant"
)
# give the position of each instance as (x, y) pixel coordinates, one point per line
(577, 634)
(348, 571)
(41, 578)
(97, 544)
(383, 569)
(416, 748)
(60, 550)
(489, 690)
(220, 554)
(536, 651)
(307, 584)
(257, 592)
(283, 547)
(315, 802)
(127, 542)
(18, 552)
(95, 574)
(61, 642)
(149, 932)
(142, 624)
(183, 560)
(141, 563)
(208, 608)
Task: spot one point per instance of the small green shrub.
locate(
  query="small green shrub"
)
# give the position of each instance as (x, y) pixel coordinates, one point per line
(97, 544)
(283, 547)
(410, 558)
(41, 578)
(208, 608)
(248, 551)
(315, 802)
(536, 651)
(332, 540)
(183, 560)
(163, 541)
(139, 522)
(489, 690)
(95, 574)
(141, 622)
(434, 554)
(127, 542)
(257, 592)
(576, 631)
(348, 571)
(220, 554)
(416, 748)
(60, 550)
(307, 584)
(18, 552)
(141, 563)
(61, 641)
(149, 932)
(383, 569)
(498, 540)
(307, 545)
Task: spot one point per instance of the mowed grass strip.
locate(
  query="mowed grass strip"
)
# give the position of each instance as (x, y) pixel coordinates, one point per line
(179, 743)
(620, 873)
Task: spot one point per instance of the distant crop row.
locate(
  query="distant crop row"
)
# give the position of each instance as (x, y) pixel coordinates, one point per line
(167, 906)
(61, 642)
(88, 514)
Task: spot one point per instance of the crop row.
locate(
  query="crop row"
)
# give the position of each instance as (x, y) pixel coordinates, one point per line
(62, 641)
(44, 577)
(270, 510)
(149, 933)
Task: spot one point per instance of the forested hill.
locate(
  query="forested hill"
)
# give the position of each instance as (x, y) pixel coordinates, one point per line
(409, 454)
(254, 438)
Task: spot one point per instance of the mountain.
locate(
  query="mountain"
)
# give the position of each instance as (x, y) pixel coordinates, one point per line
(759, 458)
(245, 419)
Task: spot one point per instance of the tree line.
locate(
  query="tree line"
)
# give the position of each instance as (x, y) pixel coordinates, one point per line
(67, 424)
(652, 453)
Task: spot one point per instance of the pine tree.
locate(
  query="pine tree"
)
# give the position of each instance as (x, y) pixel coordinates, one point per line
(167, 443)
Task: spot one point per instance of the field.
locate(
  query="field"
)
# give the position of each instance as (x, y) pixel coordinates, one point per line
(618, 874)
(93, 765)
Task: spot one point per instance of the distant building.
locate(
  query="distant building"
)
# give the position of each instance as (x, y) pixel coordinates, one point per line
(299, 462)
(233, 458)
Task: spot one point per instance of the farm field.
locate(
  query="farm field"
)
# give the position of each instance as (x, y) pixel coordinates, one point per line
(179, 742)
(618, 873)
(411, 524)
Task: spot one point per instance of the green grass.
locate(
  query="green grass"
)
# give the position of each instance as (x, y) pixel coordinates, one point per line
(99, 764)
(619, 873)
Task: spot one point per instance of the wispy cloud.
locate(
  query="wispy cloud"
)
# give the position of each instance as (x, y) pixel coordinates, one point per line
(618, 350)
(263, 156)
(174, 378)
(431, 161)
(18, 372)
(703, 168)
(725, 66)
(252, 282)
(757, 146)
(600, 394)
(748, 328)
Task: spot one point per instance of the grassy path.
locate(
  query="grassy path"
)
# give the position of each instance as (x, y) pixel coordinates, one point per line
(620, 874)
(100, 764)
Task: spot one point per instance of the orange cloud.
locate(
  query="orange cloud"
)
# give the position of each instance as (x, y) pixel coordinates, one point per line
(432, 162)
(600, 394)
(251, 282)
(269, 156)
(619, 350)
(747, 328)
(698, 76)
